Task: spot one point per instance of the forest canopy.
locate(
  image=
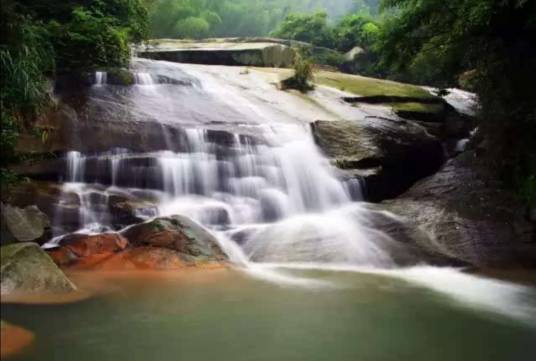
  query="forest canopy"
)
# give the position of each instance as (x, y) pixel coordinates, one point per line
(227, 18)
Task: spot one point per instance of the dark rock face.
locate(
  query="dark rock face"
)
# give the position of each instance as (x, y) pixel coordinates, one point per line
(177, 233)
(468, 216)
(238, 54)
(390, 155)
(27, 268)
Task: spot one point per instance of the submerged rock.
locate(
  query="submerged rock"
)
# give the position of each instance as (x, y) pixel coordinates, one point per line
(13, 339)
(26, 268)
(390, 155)
(468, 216)
(177, 233)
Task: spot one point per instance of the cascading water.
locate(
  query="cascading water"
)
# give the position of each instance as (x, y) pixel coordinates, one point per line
(256, 181)
(237, 155)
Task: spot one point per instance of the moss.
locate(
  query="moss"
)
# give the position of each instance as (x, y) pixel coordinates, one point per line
(418, 108)
(364, 86)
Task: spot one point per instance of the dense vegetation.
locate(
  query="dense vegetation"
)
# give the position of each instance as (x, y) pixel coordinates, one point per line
(492, 44)
(217, 18)
(41, 38)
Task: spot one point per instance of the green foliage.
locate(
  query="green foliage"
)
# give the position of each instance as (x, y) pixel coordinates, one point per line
(39, 38)
(356, 30)
(227, 18)
(192, 27)
(91, 34)
(303, 75)
(9, 134)
(312, 29)
(436, 41)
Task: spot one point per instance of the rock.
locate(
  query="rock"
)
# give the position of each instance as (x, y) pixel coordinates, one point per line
(390, 155)
(125, 211)
(49, 197)
(120, 76)
(468, 216)
(26, 268)
(25, 224)
(73, 81)
(177, 233)
(357, 60)
(354, 53)
(220, 52)
(142, 258)
(13, 339)
(75, 249)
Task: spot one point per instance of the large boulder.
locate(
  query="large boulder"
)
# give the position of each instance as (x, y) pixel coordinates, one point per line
(177, 233)
(26, 268)
(389, 154)
(144, 258)
(82, 249)
(468, 217)
(220, 52)
(24, 224)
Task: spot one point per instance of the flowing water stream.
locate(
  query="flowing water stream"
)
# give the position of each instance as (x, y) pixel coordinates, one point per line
(237, 155)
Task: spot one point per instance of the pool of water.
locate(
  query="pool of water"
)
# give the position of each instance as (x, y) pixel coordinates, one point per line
(230, 315)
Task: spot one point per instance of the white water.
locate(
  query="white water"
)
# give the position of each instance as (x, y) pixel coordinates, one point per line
(273, 200)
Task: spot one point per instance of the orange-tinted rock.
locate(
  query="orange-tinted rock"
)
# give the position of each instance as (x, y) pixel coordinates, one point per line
(62, 256)
(87, 250)
(177, 233)
(13, 339)
(143, 258)
(86, 245)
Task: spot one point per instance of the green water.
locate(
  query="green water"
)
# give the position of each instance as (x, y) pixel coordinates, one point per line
(231, 316)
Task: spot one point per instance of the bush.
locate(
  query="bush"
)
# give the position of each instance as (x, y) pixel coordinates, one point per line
(308, 28)
(303, 74)
(93, 35)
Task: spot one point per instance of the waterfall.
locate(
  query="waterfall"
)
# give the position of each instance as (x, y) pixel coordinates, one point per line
(100, 78)
(244, 168)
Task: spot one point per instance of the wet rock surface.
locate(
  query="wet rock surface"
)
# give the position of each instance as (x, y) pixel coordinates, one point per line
(468, 216)
(76, 248)
(160, 244)
(390, 155)
(177, 233)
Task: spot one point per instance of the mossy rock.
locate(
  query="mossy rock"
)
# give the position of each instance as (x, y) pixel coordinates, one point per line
(177, 233)
(120, 76)
(26, 268)
(369, 87)
(25, 224)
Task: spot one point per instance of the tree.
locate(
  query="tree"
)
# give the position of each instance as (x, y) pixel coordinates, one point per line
(309, 28)
(356, 30)
(493, 38)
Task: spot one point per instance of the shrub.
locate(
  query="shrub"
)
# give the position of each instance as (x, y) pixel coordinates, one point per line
(303, 74)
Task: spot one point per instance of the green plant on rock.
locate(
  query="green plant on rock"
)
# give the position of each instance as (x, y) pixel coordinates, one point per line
(303, 75)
